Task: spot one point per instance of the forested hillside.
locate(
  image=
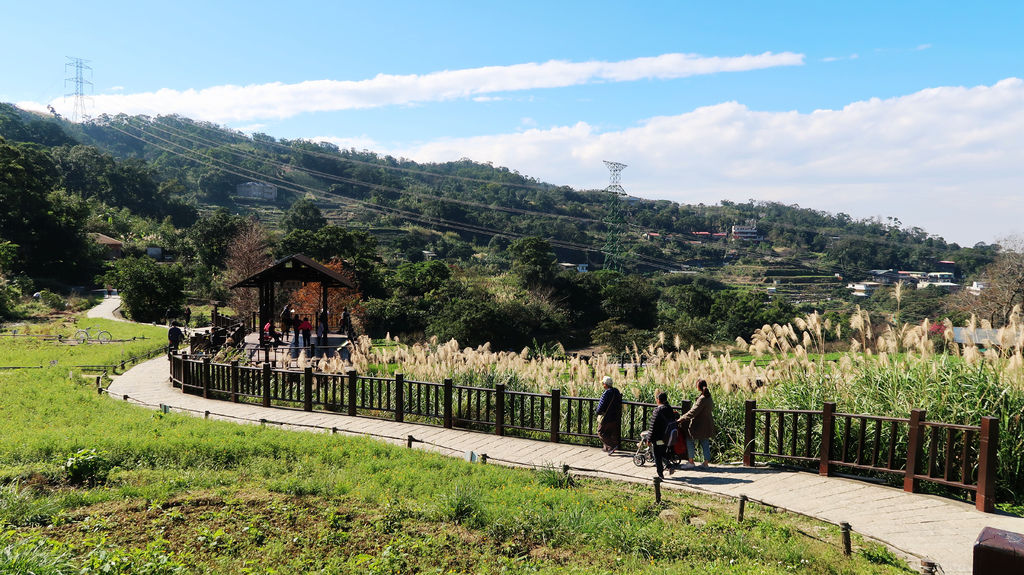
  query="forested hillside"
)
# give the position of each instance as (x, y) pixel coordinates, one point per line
(495, 237)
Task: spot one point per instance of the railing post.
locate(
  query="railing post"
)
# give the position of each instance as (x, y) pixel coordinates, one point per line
(748, 432)
(206, 377)
(985, 498)
(307, 389)
(499, 409)
(916, 430)
(185, 380)
(353, 378)
(266, 385)
(448, 403)
(556, 414)
(827, 422)
(234, 380)
(399, 397)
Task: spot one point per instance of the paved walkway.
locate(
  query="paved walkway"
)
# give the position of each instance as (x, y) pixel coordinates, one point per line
(920, 525)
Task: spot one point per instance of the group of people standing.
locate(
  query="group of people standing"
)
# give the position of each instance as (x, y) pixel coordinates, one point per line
(697, 422)
(300, 325)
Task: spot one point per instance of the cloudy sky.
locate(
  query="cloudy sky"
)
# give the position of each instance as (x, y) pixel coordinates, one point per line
(912, 110)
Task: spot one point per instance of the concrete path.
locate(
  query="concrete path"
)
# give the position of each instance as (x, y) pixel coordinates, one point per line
(920, 526)
(107, 309)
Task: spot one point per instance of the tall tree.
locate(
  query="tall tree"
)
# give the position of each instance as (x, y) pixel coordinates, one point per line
(533, 261)
(303, 215)
(147, 288)
(212, 234)
(248, 254)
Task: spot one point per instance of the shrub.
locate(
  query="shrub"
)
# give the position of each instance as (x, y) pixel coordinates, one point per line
(86, 467)
(52, 300)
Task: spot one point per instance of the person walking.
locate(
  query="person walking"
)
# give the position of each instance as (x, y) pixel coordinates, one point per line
(346, 323)
(306, 328)
(174, 337)
(296, 321)
(322, 327)
(188, 316)
(609, 416)
(660, 419)
(700, 424)
(286, 320)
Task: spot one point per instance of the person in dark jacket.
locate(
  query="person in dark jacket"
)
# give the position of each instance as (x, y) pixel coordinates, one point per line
(700, 424)
(662, 415)
(174, 337)
(609, 416)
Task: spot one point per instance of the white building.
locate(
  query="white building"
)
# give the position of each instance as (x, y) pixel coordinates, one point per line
(257, 190)
(863, 289)
(746, 233)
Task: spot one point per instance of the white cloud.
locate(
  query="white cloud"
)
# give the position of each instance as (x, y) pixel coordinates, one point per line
(923, 46)
(232, 104)
(945, 159)
(34, 107)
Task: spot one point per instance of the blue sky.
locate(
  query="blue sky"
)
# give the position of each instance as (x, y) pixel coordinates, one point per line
(876, 109)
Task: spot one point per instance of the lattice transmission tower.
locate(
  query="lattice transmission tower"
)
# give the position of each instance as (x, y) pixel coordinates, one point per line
(613, 219)
(78, 81)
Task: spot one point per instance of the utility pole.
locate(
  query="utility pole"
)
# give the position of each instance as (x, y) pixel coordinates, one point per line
(613, 219)
(78, 81)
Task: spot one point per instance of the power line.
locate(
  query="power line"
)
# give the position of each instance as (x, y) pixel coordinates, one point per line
(217, 163)
(178, 133)
(289, 148)
(413, 216)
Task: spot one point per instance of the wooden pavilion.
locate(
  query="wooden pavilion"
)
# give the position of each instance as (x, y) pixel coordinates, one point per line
(292, 269)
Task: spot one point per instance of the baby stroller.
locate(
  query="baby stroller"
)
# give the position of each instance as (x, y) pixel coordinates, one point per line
(674, 455)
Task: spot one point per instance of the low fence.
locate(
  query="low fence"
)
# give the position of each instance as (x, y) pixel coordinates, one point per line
(957, 456)
(914, 449)
(550, 416)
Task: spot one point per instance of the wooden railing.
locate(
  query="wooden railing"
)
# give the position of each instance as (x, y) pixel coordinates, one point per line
(498, 410)
(957, 456)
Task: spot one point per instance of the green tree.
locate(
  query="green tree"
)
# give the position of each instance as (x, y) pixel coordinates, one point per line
(418, 279)
(147, 288)
(211, 235)
(631, 300)
(47, 225)
(357, 248)
(303, 215)
(533, 261)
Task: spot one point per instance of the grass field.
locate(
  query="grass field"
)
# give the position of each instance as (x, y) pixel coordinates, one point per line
(90, 485)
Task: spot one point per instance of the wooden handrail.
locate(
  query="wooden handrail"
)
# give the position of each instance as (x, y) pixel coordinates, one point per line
(936, 452)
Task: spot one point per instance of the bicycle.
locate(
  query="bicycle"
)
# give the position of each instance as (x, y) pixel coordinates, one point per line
(85, 334)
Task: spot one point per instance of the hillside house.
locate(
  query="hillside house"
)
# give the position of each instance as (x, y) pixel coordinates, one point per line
(977, 287)
(941, 280)
(114, 247)
(863, 289)
(746, 233)
(257, 191)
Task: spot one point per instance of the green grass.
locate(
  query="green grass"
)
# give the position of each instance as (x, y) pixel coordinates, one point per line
(31, 351)
(173, 494)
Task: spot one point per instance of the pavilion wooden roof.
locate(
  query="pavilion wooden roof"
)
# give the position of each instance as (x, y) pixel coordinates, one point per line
(296, 268)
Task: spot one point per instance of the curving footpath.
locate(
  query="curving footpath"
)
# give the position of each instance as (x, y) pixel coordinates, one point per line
(919, 526)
